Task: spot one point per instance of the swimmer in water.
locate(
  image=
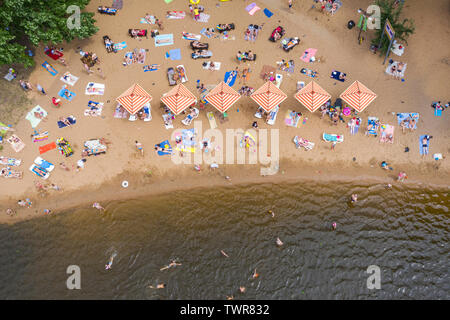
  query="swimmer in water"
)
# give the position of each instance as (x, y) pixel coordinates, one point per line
(389, 186)
(255, 274)
(158, 286)
(279, 242)
(242, 289)
(172, 264)
(108, 266)
(230, 297)
(334, 225)
(272, 213)
(354, 198)
(223, 252)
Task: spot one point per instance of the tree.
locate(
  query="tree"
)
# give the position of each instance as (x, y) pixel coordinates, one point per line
(391, 9)
(29, 22)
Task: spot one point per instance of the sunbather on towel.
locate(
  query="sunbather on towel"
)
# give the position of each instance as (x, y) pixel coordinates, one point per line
(65, 121)
(425, 144)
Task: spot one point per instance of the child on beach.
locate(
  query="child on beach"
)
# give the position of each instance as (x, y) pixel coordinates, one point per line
(139, 147)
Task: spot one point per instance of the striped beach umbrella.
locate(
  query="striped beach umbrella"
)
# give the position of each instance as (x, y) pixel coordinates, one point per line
(268, 96)
(178, 99)
(222, 97)
(134, 99)
(312, 96)
(358, 96)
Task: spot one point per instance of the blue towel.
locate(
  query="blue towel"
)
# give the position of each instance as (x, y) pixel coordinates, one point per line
(268, 13)
(52, 70)
(61, 94)
(120, 45)
(330, 137)
(203, 32)
(403, 116)
(175, 54)
(45, 164)
(166, 145)
(335, 75)
(437, 112)
(227, 76)
(421, 146)
(71, 120)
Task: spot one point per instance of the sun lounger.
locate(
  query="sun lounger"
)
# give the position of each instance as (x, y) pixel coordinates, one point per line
(211, 120)
(182, 73)
(206, 65)
(93, 88)
(272, 116)
(47, 147)
(47, 66)
(64, 147)
(333, 137)
(71, 120)
(387, 133)
(336, 75)
(69, 79)
(11, 162)
(188, 120)
(191, 36)
(278, 80)
(166, 148)
(36, 115)
(44, 164)
(303, 143)
(163, 40)
(16, 143)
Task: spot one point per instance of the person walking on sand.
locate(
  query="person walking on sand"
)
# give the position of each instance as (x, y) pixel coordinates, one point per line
(139, 147)
(272, 213)
(242, 289)
(100, 72)
(40, 89)
(290, 4)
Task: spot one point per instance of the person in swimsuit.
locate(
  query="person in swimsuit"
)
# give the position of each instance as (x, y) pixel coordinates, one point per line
(139, 147)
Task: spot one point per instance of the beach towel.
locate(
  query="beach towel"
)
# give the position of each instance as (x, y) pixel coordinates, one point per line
(120, 45)
(252, 8)
(93, 88)
(70, 79)
(117, 4)
(271, 170)
(437, 112)
(55, 56)
(308, 72)
(308, 54)
(176, 15)
(191, 36)
(175, 54)
(9, 76)
(16, 143)
(167, 148)
(335, 75)
(120, 112)
(142, 61)
(182, 78)
(71, 119)
(188, 137)
(34, 121)
(211, 120)
(292, 119)
(152, 20)
(152, 67)
(94, 111)
(278, 80)
(230, 78)
(268, 13)
(207, 64)
(386, 130)
(422, 152)
(203, 17)
(62, 95)
(354, 130)
(333, 137)
(38, 137)
(396, 73)
(164, 40)
(50, 69)
(47, 147)
(407, 116)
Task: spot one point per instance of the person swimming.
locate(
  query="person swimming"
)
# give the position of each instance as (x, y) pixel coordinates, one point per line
(109, 265)
(334, 225)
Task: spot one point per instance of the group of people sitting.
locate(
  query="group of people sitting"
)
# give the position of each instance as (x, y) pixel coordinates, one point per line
(153, 20)
(251, 32)
(397, 70)
(246, 90)
(136, 56)
(284, 65)
(26, 85)
(243, 56)
(409, 123)
(195, 11)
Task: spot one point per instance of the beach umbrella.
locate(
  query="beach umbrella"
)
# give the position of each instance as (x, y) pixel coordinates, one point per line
(222, 97)
(268, 96)
(134, 99)
(312, 96)
(358, 96)
(178, 99)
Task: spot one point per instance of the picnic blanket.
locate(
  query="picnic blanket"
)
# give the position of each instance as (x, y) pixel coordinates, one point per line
(252, 8)
(50, 69)
(55, 56)
(208, 63)
(42, 136)
(33, 119)
(407, 116)
(164, 40)
(117, 4)
(191, 36)
(396, 73)
(16, 143)
(175, 54)
(268, 13)
(120, 45)
(9, 76)
(62, 95)
(292, 119)
(71, 119)
(385, 131)
(94, 111)
(93, 88)
(308, 54)
(422, 152)
(47, 147)
(203, 17)
(70, 79)
(335, 75)
(166, 146)
(152, 20)
(230, 78)
(203, 32)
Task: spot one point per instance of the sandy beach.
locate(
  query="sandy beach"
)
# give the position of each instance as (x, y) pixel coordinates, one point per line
(356, 159)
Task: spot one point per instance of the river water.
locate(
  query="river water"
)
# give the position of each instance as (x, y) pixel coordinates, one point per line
(404, 231)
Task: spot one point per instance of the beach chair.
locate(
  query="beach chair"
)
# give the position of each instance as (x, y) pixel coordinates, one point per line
(188, 120)
(303, 143)
(272, 116)
(148, 113)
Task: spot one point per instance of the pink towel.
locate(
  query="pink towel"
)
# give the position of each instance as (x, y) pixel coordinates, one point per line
(309, 53)
(252, 12)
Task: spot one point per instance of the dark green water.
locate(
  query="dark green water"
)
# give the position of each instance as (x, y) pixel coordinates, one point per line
(404, 231)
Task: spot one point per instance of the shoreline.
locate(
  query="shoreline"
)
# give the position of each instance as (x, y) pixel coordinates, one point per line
(142, 185)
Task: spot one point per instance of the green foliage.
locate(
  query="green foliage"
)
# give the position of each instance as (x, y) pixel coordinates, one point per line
(403, 28)
(29, 22)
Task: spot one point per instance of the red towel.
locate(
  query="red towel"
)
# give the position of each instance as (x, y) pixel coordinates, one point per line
(55, 56)
(47, 147)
